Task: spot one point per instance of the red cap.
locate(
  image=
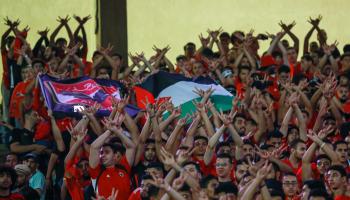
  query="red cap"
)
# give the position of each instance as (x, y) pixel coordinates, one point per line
(267, 61)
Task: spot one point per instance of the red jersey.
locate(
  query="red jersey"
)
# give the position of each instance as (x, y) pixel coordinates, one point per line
(17, 99)
(75, 186)
(113, 177)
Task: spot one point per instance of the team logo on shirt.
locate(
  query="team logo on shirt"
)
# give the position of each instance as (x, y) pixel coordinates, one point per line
(121, 174)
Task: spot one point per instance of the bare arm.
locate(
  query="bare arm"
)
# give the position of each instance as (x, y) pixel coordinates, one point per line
(94, 157)
(212, 144)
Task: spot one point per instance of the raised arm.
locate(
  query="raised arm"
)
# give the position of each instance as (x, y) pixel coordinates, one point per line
(56, 132)
(12, 26)
(94, 157)
(38, 44)
(288, 31)
(208, 155)
(75, 147)
(57, 30)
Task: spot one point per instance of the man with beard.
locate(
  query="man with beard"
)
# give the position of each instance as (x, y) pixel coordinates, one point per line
(37, 179)
(7, 181)
(298, 149)
(146, 191)
(77, 178)
(149, 156)
(22, 186)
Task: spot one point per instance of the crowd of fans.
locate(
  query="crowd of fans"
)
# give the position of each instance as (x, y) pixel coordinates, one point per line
(286, 136)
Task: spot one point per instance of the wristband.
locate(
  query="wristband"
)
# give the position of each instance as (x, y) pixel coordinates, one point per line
(322, 145)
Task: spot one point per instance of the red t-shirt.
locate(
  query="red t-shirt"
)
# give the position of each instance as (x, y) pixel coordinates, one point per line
(206, 169)
(17, 98)
(113, 177)
(75, 186)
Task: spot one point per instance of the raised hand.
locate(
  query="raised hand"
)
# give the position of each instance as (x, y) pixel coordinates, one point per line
(63, 21)
(204, 41)
(8, 22)
(179, 181)
(176, 112)
(72, 131)
(135, 60)
(159, 182)
(200, 106)
(26, 29)
(214, 34)
(315, 22)
(85, 19)
(166, 157)
(81, 135)
(264, 171)
(198, 91)
(226, 119)
(43, 33)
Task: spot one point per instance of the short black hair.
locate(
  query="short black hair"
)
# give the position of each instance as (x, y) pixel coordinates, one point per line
(241, 162)
(222, 144)
(192, 163)
(283, 69)
(156, 165)
(115, 147)
(322, 156)
(200, 137)
(295, 143)
(118, 55)
(205, 180)
(289, 174)
(339, 169)
(274, 134)
(346, 48)
(180, 57)
(150, 141)
(224, 155)
(227, 188)
(189, 44)
(335, 145)
(11, 172)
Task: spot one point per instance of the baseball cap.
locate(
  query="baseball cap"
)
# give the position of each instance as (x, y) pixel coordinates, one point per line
(22, 169)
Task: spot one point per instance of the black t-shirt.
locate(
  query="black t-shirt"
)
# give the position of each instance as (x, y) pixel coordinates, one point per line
(22, 136)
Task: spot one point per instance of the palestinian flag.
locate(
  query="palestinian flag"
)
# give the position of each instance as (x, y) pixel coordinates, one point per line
(179, 89)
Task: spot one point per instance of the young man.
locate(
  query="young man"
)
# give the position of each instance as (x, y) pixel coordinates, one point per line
(7, 181)
(11, 160)
(337, 181)
(76, 177)
(224, 168)
(298, 149)
(22, 185)
(109, 166)
(22, 139)
(37, 179)
(290, 186)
